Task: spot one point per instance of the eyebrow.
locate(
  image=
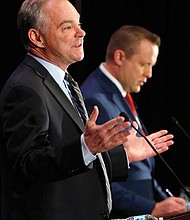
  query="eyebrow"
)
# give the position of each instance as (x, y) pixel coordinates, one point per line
(65, 22)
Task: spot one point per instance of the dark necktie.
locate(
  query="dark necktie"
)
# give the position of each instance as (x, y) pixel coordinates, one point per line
(76, 97)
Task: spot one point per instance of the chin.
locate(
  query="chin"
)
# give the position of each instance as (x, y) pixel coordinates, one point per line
(137, 90)
(80, 57)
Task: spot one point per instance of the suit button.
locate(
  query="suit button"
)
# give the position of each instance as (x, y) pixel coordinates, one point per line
(104, 214)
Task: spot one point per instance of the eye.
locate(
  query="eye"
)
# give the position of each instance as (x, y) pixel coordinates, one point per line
(143, 65)
(68, 27)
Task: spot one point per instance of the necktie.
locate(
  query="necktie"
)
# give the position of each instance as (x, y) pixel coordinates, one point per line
(133, 109)
(76, 97)
(78, 102)
(131, 103)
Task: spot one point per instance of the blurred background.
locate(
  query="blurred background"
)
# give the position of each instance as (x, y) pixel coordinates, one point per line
(166, 95)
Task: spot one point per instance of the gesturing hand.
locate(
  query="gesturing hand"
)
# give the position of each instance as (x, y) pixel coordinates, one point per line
(138, 149)
(100, 138)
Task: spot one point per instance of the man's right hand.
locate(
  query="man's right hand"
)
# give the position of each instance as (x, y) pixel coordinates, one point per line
(100, 138)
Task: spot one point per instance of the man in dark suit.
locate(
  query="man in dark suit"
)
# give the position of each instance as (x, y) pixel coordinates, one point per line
(54, 161)
(131, 53)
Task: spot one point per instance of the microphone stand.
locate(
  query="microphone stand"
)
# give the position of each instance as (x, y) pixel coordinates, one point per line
(123, 114)
(180, 127)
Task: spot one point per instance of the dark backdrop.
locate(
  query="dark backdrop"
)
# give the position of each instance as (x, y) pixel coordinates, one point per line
(165, 95)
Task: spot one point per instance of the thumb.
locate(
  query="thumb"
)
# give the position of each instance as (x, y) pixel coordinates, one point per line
(134, 123)
(94, 115)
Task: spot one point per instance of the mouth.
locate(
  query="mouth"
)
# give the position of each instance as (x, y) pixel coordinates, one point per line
(79, 44)
(143, 82)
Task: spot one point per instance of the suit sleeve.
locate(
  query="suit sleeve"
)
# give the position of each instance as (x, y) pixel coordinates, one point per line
(158, 192)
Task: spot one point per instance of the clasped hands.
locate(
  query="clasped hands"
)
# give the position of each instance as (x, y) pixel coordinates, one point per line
(100, 138)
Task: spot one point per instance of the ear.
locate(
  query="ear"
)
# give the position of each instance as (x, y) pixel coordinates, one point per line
(35, 37)
(119, 56)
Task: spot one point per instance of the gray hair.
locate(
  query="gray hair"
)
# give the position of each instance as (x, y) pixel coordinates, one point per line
(29, 16)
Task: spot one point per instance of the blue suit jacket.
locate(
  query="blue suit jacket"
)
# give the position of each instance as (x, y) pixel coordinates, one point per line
(136, 195)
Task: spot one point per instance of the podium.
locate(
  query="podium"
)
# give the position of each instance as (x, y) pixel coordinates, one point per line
(184, 216)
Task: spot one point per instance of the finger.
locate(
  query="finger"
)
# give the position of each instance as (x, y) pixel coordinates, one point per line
(119, 127)
(162, 149)
(107, 141)
(117, 139)
(115, 125)
(165, 144)
(133, 131)
(93, 117)
(163, 139)
(180, 201)
(157, 134)
(112, 132)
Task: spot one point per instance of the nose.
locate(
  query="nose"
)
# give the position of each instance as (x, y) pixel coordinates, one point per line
(81, 32)
(148, 72)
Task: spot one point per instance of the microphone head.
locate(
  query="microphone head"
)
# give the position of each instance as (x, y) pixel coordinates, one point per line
(187, 192)
(123, 114)
(174, 120)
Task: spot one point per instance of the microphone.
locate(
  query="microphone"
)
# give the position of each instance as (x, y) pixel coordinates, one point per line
(174, 120)
(123, 114)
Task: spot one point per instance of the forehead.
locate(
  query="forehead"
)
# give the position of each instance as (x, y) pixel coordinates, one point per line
(147, 52)
(61, 10)
(146, 45)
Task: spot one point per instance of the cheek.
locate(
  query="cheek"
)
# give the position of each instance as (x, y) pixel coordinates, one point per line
(138, 71)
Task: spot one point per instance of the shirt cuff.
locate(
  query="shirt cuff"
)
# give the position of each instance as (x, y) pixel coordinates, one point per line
(87, 155)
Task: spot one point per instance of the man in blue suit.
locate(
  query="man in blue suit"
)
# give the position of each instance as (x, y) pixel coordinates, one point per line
(131, 53)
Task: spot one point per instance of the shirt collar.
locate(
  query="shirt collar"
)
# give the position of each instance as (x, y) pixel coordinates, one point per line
(113, 79)
(56, 72)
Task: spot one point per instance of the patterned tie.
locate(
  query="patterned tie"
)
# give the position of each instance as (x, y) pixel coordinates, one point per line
(78, 102)
(76, 97)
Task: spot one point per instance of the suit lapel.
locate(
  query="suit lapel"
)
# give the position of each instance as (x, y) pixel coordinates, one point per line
(53, 87)
(63, 100)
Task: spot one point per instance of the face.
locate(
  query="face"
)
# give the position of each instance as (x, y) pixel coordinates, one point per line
(135, 71)
(63, 43)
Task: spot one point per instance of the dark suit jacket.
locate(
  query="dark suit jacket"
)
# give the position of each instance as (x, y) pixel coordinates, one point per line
(136, 195)
(42, 168)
